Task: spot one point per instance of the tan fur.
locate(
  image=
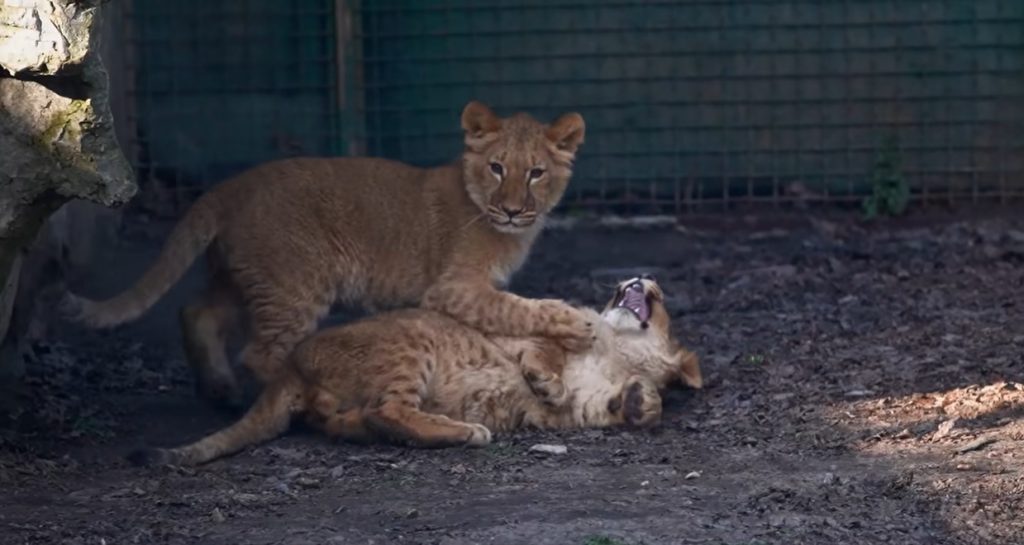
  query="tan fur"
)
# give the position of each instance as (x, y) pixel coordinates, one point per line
(288, 239)
(419, 377)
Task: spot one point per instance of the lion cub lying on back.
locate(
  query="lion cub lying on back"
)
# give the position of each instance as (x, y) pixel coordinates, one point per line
(419, 377)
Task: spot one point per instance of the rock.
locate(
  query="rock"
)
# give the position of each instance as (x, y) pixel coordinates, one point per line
(836, 266)
(247, 499)
(612, 222)
(561, 223)
(977, 444)
(56, 139)
(217, 516)
(549, 449)
(457, 469)
(944, 428)
(289, 454)
(1015, 235)
(637, 222)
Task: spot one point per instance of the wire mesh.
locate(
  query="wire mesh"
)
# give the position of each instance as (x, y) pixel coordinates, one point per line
(691, 103)
(220, 85)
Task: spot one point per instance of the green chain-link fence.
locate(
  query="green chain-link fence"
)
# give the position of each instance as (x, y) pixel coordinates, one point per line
(688, 103)
(221, 85)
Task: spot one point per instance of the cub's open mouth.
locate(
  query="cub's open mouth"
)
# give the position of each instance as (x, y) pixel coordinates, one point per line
(634, 299)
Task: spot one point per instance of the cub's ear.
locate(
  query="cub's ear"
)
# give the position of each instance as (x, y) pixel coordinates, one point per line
(689, 369)
(478, 120)
(566, 133)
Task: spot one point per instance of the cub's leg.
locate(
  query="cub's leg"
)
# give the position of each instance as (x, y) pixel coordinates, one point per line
(397, 413)
(287, 287)
(478, 304)
(277, 325)
(404, 421)
(206, 325)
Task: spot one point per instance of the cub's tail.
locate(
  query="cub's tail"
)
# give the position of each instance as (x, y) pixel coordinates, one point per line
(188, 239)
(268, 418)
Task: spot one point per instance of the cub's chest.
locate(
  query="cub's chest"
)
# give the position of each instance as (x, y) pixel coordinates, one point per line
(511, 258)
(501, 273)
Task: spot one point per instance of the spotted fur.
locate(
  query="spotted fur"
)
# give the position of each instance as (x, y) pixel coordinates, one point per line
(419, 377)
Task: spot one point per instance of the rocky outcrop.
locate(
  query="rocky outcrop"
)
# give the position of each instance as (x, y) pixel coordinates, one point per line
(57, 139)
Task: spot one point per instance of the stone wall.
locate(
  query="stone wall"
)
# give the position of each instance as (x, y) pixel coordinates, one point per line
(57, 145)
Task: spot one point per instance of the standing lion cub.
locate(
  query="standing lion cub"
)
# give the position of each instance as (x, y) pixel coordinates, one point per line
(419, 377)
(288, 239)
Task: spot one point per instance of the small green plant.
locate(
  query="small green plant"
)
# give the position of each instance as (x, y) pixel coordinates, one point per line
(91, 425)
(575, 212)
(890, 193)
(602, 540)
(503, 450)
(755, 359)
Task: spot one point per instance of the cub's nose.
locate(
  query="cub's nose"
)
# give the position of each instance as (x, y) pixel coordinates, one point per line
(511, 212)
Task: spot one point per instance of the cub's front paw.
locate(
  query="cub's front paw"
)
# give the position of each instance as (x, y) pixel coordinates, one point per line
(548, 387)
(572, 328)
(641, 403)
(478, 436)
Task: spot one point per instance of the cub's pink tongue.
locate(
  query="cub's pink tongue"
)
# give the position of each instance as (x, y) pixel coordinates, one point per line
(635, 301)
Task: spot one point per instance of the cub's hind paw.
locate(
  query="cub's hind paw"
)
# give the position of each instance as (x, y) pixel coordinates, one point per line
(641, 403)
(479, 436)
(71, 307)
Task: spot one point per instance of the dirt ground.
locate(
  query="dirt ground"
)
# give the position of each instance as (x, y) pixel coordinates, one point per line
(863, 386)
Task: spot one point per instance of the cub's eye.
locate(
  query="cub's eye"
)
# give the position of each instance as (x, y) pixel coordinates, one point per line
(536, 173)
(498, 169)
